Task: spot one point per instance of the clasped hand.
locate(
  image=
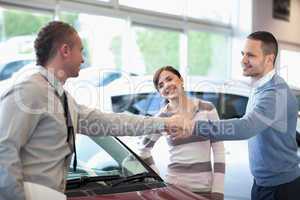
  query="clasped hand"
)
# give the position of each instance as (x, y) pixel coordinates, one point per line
(179, 126)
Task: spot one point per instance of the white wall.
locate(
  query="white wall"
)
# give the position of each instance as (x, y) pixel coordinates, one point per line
(287, 32)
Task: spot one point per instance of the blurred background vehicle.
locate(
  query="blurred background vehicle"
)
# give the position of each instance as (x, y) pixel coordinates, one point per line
(10, 66)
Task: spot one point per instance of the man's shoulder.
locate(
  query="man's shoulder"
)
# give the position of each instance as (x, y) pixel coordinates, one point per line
(278, 82)
(279, 89)
(275, 84)
(26, 86)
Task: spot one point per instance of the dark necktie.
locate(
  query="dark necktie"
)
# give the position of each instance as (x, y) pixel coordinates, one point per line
(70, 129)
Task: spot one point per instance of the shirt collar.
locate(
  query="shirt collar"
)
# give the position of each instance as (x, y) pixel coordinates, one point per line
(260, 82)
(53, 81)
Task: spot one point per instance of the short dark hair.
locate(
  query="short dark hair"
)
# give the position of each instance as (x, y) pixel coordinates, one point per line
(49, 38)
(269, 42)
(160, 70)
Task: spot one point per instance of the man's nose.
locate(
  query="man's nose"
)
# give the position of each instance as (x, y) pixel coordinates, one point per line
(244, 59)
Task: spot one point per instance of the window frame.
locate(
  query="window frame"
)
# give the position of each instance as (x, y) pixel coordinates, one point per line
(134, 16)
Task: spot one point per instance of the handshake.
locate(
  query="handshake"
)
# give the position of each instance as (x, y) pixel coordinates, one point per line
(179, 126)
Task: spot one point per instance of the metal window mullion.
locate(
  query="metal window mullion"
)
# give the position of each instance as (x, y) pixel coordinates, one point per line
(115, 4)
(92, 2)
(31, 5)
(183, 53)
(229, 61)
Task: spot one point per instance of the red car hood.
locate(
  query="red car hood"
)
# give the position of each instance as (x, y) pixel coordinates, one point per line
(171, 192)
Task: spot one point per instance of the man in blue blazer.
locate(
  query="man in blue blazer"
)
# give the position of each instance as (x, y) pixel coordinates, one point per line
(269, 124)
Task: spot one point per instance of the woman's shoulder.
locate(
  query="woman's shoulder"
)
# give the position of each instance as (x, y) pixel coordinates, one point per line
(163, 112)
(203, 105)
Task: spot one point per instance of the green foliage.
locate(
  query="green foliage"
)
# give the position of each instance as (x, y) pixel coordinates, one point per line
(206, 52)
(199, 53)
(158, 48)
(23, 23)
(70, 18)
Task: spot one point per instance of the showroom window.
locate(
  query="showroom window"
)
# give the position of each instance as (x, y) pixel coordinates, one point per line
(289, 66)
(140, 36)
(101, 37)
(208, 54)
(213, 10)
(157, 48)
(175, 7)
(18, 29)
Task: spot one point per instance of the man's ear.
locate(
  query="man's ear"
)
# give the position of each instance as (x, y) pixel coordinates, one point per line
(64, 50)
(271, 58)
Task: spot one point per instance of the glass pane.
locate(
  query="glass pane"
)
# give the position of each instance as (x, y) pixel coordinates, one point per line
(208, 54)
(234, 106)
(157, 48)
(103, 156)
(214, 10)
(175, 7)
(289, 66)
(101, 37)
(207, 96)
(18, 29)
(147, 104)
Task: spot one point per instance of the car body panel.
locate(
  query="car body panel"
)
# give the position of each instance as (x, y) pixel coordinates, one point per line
(171, 192)
(103, 161)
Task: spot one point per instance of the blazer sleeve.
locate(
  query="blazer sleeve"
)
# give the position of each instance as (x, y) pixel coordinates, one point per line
(266, 112)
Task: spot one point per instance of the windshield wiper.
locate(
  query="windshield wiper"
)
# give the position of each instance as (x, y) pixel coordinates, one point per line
(83, 180)
(140, 176)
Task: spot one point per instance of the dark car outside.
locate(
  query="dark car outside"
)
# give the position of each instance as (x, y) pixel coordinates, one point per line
(8, 68)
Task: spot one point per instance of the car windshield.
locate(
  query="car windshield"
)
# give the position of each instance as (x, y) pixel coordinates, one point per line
(104, 156)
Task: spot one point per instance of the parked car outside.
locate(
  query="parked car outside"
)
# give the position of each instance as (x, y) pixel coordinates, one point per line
(87, 87)
(107, 169)
(137, 95)
(8, 67)
(18, 75)
(98, 76)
